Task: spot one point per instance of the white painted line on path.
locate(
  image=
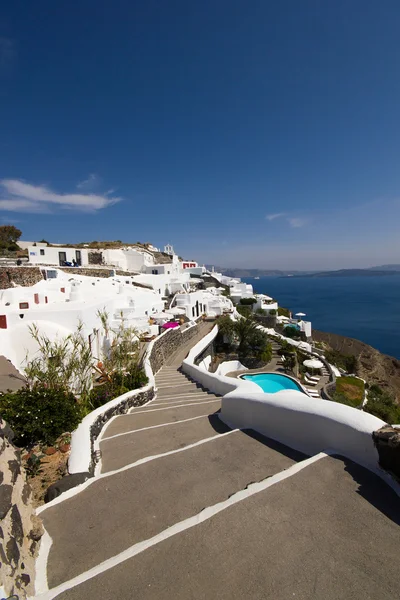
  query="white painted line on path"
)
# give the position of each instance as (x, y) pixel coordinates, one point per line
(141, 412)
(194, 400)
(153, 427)
(80, 488)
(184, 525)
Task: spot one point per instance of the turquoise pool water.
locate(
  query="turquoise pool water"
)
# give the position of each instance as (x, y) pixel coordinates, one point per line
(273, 382)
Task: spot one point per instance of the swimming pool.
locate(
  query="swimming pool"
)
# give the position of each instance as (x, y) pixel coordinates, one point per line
(273, 382)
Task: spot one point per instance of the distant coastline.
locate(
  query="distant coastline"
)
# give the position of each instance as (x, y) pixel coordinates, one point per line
(379, 271)
(347, 273)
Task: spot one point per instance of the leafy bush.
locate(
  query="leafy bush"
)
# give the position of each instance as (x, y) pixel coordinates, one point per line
(266, 354)
(347, 362)
(261, 312)
(131, 381)
(120, 384)
(382, 405)
(343, 399)
(100, 395)
(40, 414)
(272, 312)
(247, 301)
(292, 332)
(283, 312)
(245, 311)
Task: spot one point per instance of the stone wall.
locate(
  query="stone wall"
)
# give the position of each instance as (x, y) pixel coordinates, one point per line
(100, 273)
(387, 442)
(121, 409)
(266, 321)
(169, 343)
(25, 276)
(20, 529)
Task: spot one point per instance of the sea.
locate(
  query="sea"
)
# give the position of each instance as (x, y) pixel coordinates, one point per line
(365, 308)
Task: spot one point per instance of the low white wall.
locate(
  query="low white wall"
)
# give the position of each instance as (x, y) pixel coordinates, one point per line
(230, 365)
(219, 384)
(305, 424)
(81, 446)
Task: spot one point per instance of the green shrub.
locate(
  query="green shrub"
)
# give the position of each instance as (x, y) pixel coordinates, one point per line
(347, 362)
(272, 312)
(291, 332)
(40, 414)
(120, 384)
(382, 405)
(261, 312)
(266, 354)
(343, 399)
(283, 312)
(247, 301)
(245, 311)
(130, 381)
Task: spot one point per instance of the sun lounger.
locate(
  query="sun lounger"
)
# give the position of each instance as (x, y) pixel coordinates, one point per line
(312, 377)
(310, 381)
(313, 393)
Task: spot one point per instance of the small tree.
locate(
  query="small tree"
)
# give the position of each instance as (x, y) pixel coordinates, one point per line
(65, 363)
(9, 235)
(122, 355)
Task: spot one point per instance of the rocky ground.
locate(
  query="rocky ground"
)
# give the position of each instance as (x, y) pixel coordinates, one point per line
(49, 466)
(373, 366)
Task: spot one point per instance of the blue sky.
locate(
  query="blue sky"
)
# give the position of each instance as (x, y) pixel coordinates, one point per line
(253, 134)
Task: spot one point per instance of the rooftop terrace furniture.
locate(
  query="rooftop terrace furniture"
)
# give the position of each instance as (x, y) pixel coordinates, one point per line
(309, 381)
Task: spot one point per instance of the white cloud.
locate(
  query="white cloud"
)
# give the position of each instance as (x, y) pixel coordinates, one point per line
(293, 221)
(88, 184)
(297, 222)
(275, 216)
(26, 197)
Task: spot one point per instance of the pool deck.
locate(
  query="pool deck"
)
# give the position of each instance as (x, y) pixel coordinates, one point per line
(275, 366)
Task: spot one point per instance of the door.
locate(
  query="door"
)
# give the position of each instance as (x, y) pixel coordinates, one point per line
(78, 257)
(62, 258)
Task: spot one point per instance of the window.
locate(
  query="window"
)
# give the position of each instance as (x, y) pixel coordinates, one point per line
(154, 272)
(41, 252)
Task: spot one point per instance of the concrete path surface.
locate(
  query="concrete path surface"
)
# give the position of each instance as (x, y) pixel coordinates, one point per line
(10, 378)
(186, 508)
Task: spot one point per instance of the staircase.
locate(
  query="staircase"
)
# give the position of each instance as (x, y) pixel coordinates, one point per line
(185, 507)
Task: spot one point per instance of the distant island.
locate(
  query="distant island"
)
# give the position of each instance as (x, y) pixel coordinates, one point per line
(378, 271)
(372, 272)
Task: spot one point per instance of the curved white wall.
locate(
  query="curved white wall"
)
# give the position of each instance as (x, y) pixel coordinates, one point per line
(305, 424)
(290, 417)
(230, 365)
(219, 384)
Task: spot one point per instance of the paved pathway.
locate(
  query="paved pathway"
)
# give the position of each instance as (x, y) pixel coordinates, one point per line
(10, 378)
(186, 508)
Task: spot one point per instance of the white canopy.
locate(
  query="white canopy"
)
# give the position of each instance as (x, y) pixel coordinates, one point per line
(160, 315)
(175, 311)
(313, 363)
(300, 315)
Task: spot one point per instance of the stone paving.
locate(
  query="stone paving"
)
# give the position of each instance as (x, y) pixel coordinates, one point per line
(186, 508)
